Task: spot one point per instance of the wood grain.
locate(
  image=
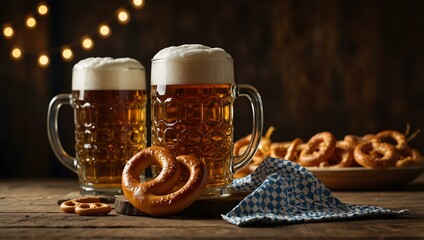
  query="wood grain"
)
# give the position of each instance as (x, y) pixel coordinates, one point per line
(28, 209)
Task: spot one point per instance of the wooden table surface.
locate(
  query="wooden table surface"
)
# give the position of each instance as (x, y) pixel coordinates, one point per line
(28, 209)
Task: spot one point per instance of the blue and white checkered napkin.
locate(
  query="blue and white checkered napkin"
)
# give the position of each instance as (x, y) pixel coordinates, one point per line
(285, 192)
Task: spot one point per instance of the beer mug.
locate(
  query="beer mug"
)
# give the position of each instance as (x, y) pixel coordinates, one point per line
(192, 96)
(109, 102)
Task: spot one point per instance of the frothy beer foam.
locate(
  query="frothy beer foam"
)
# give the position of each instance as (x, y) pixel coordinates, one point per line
(108, 74)
(192, 64)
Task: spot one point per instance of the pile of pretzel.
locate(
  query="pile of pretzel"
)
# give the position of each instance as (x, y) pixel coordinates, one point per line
(387, 148)
(164, 195)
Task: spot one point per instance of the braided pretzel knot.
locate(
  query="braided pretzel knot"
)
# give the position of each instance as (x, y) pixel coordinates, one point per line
(87, 206)
(155, 197)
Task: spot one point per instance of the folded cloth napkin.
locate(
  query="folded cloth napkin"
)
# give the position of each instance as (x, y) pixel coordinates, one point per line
(285, 192)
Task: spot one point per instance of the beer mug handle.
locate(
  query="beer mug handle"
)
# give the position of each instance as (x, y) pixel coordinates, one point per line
(252, 94)
(53, 133)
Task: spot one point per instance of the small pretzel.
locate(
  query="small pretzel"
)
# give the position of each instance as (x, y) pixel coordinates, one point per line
(342, 156)
(69, 206)
(85, 206)
(319, 148)
(292, 151)
(410, 157)
(392, 137)
(155, 197)
(375, 154)
(91, 209)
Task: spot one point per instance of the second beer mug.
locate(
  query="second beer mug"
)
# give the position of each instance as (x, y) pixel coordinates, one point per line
(192, 97)
(109, 101)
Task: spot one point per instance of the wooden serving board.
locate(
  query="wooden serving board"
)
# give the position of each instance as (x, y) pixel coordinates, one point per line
(201, 208)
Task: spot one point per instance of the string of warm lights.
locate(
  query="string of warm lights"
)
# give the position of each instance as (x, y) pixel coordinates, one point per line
(121, 15)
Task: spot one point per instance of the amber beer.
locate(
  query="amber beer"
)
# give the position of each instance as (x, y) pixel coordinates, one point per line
(192, 96)
(109, 101)
(110, 127)
(196, 119)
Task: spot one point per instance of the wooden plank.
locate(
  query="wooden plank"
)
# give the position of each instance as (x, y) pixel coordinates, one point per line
(131, 227)
(31, 211)
(113, 220)
(33, 196)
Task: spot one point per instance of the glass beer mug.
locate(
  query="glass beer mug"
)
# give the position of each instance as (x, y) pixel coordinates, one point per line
(192, 95)
(109, 101)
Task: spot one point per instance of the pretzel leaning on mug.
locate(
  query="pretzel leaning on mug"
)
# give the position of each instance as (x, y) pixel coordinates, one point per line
(158, 196)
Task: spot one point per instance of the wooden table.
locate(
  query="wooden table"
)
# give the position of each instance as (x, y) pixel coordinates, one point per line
(28, 209)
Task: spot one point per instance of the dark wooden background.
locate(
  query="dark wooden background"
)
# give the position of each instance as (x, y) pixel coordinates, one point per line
(348, 66)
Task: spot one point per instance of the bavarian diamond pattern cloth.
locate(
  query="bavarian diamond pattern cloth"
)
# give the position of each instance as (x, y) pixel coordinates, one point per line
(285, 192)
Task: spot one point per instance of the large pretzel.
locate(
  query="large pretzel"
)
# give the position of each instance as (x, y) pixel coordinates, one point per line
(155, 197)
